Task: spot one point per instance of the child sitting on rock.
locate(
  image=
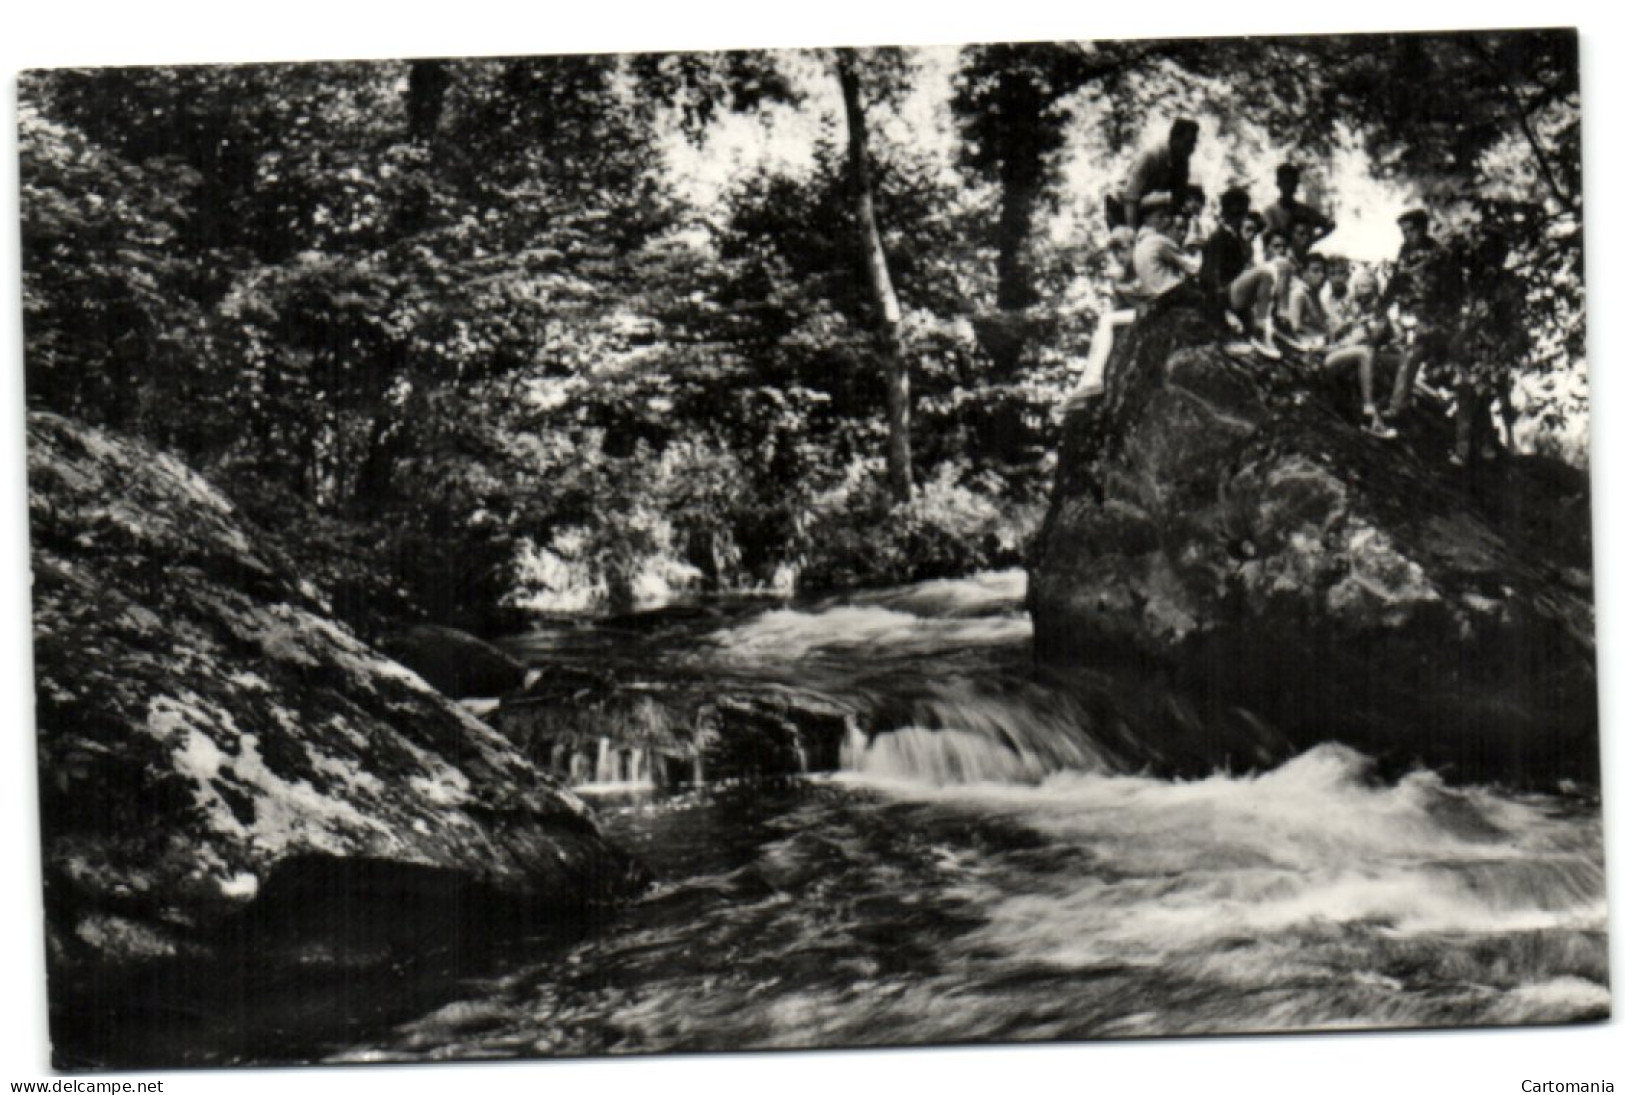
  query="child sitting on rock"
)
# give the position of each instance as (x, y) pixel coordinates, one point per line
(1305, 319)
(1356, 341)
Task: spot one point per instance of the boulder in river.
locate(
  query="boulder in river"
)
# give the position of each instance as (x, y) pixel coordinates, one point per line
(1224, 526)
(455, 662)
(229, 778)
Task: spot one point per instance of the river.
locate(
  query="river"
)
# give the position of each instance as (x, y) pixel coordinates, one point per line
(982, 868)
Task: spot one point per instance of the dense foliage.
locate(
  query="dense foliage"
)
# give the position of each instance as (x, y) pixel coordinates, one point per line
(459, 329)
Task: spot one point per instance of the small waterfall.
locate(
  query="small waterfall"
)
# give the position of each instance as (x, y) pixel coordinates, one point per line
(942, 758)
(996, 728)
(854, 747)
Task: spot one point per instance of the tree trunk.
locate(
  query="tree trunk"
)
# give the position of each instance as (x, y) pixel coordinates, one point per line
(1021, 177)
(1005, 342)
(888, 315)
(426, 85)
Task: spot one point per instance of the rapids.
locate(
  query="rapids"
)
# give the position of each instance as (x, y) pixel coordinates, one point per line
(984, 867)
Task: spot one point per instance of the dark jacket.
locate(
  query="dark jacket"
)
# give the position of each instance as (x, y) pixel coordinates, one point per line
(1224, 256)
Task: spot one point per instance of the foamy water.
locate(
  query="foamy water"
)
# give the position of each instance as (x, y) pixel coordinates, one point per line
(928, 900)
(985, 869)
(1311, 846)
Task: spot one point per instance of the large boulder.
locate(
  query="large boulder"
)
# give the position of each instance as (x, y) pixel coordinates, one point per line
(1223, 526)
(227, 775)
(455, 662)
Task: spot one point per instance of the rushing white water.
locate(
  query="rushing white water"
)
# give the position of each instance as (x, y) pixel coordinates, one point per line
(922, 898)
(940, 758)
(984, 869)
(1313, 843)
(966, 614)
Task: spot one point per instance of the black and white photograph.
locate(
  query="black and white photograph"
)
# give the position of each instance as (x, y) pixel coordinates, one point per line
(552, 553)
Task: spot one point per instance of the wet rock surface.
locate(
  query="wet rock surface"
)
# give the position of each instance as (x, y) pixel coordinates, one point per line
(602, 724)
(454, 662)
(232, 782)
(1224, 524)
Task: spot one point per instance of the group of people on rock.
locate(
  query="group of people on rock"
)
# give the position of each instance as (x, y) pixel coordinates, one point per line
(1261, 279)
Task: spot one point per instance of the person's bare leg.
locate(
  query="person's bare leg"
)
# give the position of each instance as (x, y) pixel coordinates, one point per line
(1253, 295)
(1093, 381)
(1409, 362)
(1368, 378)
(1364, 358)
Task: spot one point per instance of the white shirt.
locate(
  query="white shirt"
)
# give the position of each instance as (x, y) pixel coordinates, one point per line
(1159, 263)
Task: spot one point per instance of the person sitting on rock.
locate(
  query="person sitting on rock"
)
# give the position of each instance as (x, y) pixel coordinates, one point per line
(1427, 286)
(1119, 311)
(1286, 212)
(1258, 294)
(1164, 169)
(1159, 263)
(1334, 297)
(1226, 257)
(1158, 266)
(1300, 242)
(1276, 245)
(1227, 252)
(1304, 318)
(1252, 230)
(1355, 342)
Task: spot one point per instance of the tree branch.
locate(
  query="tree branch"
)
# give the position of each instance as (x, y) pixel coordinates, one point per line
(1542, 162)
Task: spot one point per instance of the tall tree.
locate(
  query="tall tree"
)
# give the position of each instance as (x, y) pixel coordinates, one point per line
(886, 313)
(1015, 104)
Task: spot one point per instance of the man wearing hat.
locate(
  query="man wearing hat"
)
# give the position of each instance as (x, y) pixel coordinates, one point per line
(1159, 262)
(1287, 212)
(1164, 169)
(1427, 285)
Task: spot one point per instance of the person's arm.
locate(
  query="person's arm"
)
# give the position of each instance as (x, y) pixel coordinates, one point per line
(1172, 258)
(1390, 292)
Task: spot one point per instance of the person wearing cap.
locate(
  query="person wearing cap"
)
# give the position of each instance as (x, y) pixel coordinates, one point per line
(1427, 285)
(1286, 212)
(1164, 169)
(1159, 262)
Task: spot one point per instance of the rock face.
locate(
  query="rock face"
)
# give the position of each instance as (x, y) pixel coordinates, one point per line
(1225, 526)
(224, 771)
